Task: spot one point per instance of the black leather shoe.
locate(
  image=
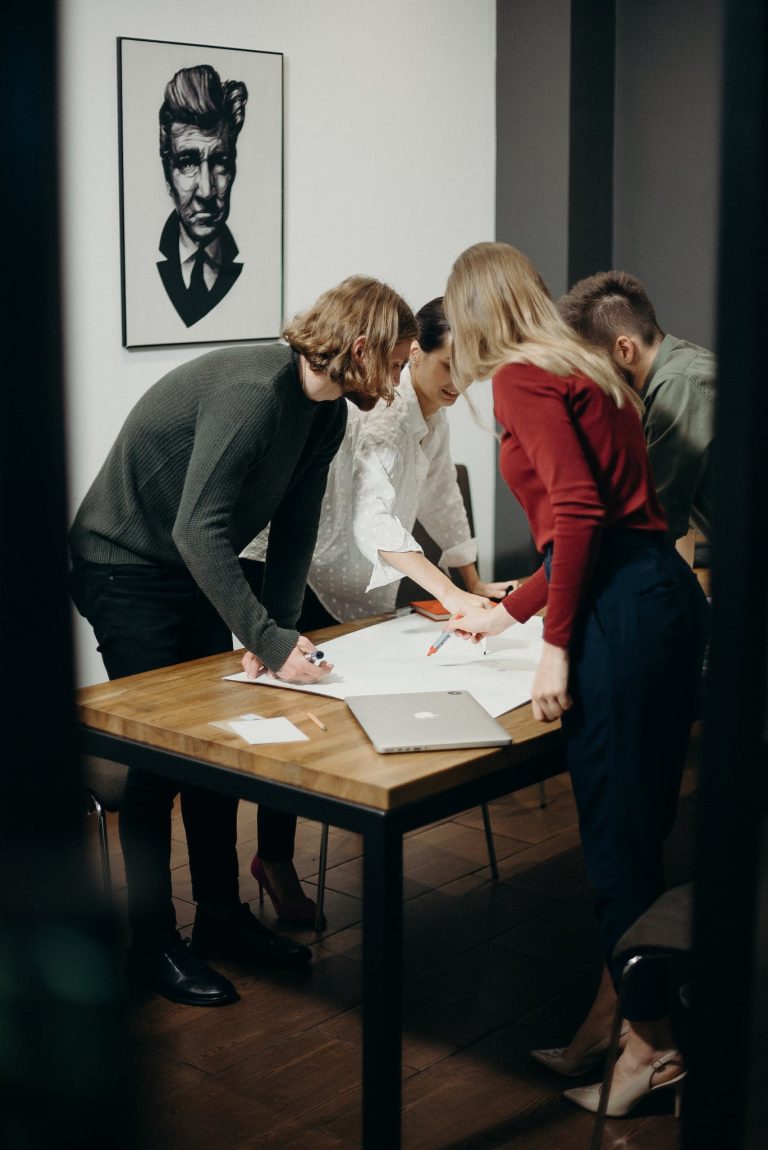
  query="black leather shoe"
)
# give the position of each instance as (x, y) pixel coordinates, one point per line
(179, 974)
(241, 936)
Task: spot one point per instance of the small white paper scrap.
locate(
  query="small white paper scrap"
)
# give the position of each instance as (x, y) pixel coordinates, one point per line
(226, 724)
(278, 730)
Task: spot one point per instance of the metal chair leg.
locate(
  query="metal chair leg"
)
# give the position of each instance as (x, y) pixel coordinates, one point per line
(613, 1046)
(321, 877)
(106, 872)
(489, 841)
(492, 860)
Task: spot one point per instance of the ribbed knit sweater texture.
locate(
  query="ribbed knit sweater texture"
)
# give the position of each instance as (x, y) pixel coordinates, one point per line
(212, 453)
(578, 465)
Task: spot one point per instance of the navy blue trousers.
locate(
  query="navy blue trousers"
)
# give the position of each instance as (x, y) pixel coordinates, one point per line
(146, 617)
(635, 673)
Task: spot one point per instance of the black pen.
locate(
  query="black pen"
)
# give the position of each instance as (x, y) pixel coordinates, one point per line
(313, 656)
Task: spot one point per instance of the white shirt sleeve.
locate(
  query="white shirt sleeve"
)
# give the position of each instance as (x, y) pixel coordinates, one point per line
(376, 527)
(257, 548)
(441, 509)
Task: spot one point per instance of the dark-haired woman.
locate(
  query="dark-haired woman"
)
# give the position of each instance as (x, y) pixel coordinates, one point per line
(393, 468)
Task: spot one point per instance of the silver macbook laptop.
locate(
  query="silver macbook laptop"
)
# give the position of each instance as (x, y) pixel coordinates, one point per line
(426, 721)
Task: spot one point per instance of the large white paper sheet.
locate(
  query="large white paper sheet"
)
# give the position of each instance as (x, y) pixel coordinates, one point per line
(391, 657)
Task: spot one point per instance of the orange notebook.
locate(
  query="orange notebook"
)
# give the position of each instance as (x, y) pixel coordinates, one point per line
(432, 608)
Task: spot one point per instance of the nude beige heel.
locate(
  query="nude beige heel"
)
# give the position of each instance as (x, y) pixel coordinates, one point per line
(622, 1102)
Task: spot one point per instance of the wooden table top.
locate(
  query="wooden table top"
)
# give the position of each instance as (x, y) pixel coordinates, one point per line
(174, 709)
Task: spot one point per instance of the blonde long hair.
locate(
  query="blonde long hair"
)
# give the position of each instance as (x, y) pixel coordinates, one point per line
(324, 334)
(500, 312)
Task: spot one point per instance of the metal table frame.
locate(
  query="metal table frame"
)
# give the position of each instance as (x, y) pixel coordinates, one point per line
(382, 833)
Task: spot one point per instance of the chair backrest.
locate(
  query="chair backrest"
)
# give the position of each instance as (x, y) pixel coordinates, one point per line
(408, 590)
(665, 926)
(104, 779)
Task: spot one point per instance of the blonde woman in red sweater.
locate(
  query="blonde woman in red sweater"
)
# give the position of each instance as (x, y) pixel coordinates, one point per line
(625, 621)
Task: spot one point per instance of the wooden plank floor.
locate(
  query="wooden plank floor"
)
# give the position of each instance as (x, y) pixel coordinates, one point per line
(492, 970)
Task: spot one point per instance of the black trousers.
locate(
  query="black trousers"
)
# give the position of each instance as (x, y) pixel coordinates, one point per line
(146, 617)
(277, 829)
(635, 673)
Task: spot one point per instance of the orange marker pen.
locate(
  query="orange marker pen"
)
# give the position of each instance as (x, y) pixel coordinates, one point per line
(442, 637)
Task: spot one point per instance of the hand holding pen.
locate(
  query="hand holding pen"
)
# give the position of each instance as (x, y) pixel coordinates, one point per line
(305, 664)
(478, 625)
(451, 629)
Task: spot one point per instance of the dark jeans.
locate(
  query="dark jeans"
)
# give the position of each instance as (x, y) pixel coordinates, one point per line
(146, 617)
(635, 669)
(277, 829)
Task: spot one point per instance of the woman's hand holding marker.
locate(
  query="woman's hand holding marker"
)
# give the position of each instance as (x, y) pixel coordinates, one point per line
(479, 624)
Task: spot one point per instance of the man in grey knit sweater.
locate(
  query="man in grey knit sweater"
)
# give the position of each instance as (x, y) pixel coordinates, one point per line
(212, 453)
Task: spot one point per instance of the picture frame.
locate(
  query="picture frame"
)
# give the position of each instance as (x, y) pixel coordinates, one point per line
(200, 132)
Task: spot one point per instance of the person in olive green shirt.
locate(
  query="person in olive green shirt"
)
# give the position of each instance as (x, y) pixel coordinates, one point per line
(676, 381)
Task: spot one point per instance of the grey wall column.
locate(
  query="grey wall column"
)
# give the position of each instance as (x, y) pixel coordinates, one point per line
(590, 175)
(532, 133)
(667, 156)
(533, 65)
(554, 167)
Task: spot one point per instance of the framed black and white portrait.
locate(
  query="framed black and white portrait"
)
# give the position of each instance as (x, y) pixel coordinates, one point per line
(201, 192)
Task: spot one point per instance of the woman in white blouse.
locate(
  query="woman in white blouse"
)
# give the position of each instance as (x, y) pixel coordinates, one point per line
(393, 467)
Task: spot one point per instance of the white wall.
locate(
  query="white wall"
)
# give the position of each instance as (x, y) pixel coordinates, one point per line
(389, 171)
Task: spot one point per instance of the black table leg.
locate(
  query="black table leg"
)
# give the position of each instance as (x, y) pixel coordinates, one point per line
(382, 985)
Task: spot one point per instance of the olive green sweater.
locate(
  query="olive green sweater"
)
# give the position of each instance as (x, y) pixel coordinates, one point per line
(679, 424)
(212, 453)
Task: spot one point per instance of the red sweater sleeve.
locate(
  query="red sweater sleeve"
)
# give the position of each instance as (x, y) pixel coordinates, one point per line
(560, 494)
(529, 598)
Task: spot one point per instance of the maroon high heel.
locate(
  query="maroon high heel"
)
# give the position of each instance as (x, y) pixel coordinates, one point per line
(299, 912)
